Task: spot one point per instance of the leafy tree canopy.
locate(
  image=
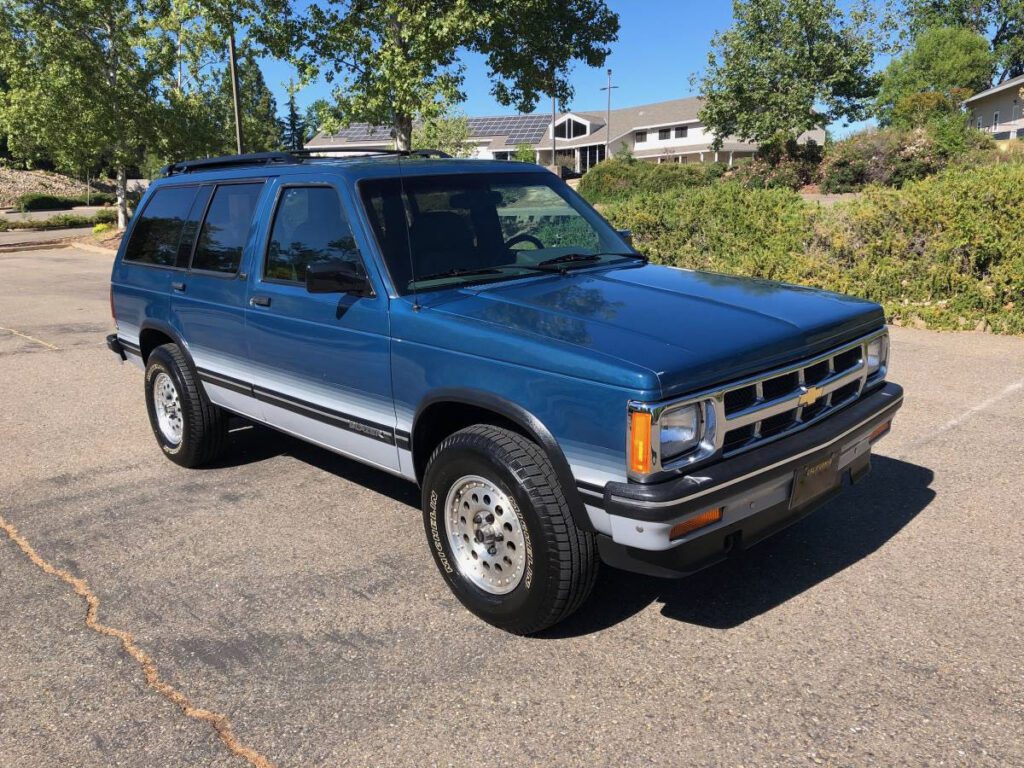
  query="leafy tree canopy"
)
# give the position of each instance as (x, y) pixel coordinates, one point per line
(949, 62)
(789, 66)
(1001, 21)
(397, 61)
(447, 132)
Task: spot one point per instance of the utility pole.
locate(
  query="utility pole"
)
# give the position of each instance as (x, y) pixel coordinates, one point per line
(608, 118)
(554, 107)
(232, 63)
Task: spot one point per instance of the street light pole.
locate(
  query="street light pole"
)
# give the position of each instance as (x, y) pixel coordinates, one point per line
(554, 107)
(608, 118)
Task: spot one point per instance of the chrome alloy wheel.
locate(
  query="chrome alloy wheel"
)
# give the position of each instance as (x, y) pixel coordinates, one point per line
(485, 535)
(168, 408)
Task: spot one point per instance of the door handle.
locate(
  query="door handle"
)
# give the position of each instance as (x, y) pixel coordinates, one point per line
(260, 301)
(179, 287)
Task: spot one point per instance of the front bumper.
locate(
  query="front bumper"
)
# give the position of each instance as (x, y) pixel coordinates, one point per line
(754, 491)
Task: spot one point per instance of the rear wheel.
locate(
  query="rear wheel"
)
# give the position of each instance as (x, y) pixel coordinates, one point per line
(501, 532)
(190, 429)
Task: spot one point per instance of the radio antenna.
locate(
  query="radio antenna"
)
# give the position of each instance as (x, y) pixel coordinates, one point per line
(408, 238)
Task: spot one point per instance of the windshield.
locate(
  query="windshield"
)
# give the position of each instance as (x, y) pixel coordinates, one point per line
(442, 231)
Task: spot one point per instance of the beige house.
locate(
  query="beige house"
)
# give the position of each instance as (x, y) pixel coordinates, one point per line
(999, 110)
(664, 132)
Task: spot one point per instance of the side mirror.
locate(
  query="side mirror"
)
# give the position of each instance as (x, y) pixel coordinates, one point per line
(337, 277)
(627, 235)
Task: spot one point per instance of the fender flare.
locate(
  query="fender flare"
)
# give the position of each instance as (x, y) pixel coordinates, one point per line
(532, 426)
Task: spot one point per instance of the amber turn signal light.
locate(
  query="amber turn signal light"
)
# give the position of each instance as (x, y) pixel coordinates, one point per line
(880, 430)
(697, 521)
(640, 442)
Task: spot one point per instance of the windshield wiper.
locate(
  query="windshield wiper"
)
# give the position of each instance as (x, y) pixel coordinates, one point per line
(457, 273)
(582, 258)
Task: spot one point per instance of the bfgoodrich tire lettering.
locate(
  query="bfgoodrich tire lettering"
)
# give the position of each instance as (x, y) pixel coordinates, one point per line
(202, 426)
(560, 563)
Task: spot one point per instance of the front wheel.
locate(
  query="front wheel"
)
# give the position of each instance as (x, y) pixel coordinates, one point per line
(501, 531)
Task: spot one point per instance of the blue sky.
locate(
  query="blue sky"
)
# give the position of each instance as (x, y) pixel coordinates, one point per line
(661, 44)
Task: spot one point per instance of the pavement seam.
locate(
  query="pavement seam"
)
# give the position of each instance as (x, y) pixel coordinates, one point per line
(220, 723)
(953, 423)
(30, 338)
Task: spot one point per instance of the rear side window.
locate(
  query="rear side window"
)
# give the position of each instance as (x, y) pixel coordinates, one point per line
(156, 234)
(226, 228)
(309, 227)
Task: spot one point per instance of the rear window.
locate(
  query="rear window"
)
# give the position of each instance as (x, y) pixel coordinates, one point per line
(156, 234)
(226, 228)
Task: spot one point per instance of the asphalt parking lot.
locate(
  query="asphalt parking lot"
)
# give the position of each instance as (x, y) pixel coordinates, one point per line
(292, 591)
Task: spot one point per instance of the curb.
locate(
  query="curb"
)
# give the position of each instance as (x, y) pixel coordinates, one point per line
(91, 247)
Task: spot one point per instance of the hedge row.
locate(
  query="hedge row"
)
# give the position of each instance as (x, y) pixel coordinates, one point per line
(946, 252)
(40, 201)
(62, 221)
(621, 178)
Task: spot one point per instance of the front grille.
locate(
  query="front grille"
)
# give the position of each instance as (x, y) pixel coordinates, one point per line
(780, 402)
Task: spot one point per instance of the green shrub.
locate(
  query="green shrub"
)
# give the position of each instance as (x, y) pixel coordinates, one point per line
(782, 165)
(63, 221)
(37, 201)
(623, 177)
(947, 251)
(102, 228)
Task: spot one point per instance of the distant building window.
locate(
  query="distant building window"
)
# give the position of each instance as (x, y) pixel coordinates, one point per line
(995, 121)
(641, 137)
(664, 133)
(570, 129)
(980, 124)
(681, 132)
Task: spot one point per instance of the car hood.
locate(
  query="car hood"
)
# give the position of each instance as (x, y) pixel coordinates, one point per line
(692, 330)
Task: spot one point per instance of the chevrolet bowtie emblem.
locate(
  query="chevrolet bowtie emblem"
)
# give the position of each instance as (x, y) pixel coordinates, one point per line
(809, 396)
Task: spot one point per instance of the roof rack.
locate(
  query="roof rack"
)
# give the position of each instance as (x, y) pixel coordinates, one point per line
(291, 157)
(226, 161)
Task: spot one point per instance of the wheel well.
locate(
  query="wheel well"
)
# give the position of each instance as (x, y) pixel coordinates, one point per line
(439, 420)
(150, 339)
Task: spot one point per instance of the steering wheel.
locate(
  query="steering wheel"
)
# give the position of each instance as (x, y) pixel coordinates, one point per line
(523, 237)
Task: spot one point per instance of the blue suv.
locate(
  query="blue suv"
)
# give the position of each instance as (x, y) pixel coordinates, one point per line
(479, 329)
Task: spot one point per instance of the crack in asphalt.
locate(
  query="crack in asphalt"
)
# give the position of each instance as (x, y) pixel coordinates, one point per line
(220, 723)
(30, 338)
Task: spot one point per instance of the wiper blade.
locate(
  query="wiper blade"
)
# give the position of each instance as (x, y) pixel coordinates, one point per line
(583, 258)
(457, 273)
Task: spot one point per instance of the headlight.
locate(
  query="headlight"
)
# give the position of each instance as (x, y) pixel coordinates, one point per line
(680, 431)
(878, 353)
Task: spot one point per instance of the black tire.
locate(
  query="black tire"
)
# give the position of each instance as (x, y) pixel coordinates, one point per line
(561, 560)
(204, 429)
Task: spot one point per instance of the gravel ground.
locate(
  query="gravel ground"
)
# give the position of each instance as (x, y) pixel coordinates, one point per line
(292, 590)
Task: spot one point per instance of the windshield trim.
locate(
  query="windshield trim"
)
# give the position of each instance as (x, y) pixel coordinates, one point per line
(563, 190)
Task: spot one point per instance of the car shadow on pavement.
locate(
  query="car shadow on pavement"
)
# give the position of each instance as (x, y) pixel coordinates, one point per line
(850, 527)
(249, 443)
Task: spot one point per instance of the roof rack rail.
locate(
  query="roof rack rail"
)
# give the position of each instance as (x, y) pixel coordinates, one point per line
(293, 156)
(226, 161)
(313, 151)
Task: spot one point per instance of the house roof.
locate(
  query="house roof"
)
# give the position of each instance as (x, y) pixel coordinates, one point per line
(512, 130)
(1012, 82)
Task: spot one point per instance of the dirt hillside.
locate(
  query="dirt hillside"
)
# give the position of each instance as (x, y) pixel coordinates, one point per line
(13, 184)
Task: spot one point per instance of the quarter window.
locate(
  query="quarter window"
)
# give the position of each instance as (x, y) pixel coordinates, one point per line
(226, 228)
(156, 234)
(309, 227)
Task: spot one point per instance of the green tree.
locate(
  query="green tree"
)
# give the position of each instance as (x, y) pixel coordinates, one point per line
(951, 62)
(1001, 21)
(397, 61)
(84, 83)
(789, 66)
(448, 133)
(261, 129)
(294, 121)
(525, 153)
